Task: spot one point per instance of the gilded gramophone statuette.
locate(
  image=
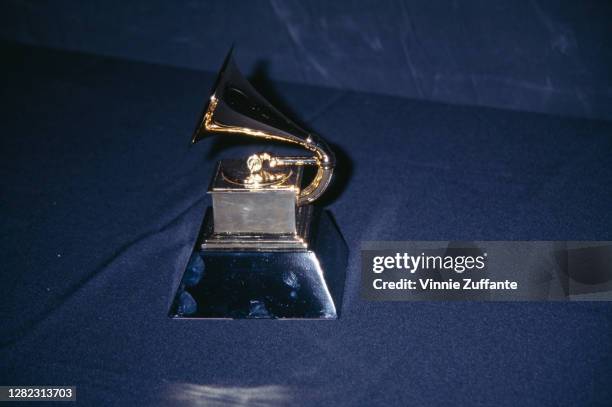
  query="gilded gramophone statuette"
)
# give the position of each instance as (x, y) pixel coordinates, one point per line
(264, 250)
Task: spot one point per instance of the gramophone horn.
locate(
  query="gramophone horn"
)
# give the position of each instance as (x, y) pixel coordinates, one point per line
(236, 107)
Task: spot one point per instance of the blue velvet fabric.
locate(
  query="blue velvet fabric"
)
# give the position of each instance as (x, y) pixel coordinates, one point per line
(102, 198)
(547, 56)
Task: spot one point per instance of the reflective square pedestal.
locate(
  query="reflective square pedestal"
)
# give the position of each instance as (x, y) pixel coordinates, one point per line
(292, 282)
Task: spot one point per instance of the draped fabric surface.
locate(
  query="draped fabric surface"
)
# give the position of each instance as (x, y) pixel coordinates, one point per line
(102, 197)
(547, 56)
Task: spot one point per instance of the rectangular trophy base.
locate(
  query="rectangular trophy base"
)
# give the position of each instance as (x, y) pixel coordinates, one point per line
(259, 241)
(265, 281)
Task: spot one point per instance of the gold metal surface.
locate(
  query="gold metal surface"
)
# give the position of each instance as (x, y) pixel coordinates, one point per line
(263, 248)
(231, 82)
(235, 175)
(321, 159)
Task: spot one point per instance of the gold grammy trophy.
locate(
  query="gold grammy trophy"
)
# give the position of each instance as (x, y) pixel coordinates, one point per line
(264, 251)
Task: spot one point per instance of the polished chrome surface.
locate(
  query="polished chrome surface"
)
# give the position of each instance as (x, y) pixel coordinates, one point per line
(235, 107)
(266, 284)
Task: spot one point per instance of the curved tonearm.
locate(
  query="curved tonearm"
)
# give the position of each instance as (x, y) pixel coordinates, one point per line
(235, 107)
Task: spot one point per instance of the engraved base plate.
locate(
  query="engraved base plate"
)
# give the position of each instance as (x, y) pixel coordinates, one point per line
(276, 283)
